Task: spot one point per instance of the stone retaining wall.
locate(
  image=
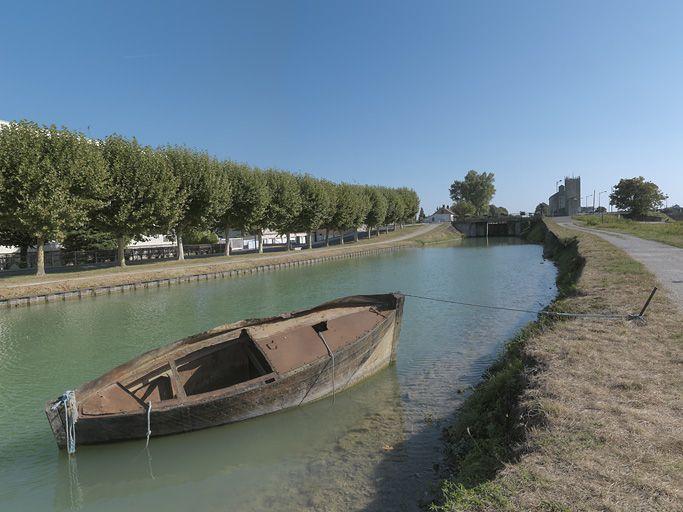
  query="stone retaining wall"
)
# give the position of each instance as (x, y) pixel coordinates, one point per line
(157, 283)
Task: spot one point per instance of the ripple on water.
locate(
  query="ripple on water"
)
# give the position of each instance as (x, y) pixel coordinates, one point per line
(373, 450)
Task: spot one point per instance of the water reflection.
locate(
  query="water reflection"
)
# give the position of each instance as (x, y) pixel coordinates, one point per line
(374, 449)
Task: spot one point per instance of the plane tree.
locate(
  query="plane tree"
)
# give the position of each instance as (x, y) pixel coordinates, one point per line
(377, 212)
(284, 207)
(203, 191)
(348, 205)
(411, 204)
(53, 180)
(248, 206)
(395, 208)
(332, 191)
(143, 197)
(363, 205)
(316, 205)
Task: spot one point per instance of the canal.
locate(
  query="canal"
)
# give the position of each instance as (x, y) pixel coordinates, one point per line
(375, 448)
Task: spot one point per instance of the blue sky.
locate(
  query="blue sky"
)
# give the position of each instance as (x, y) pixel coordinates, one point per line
(395, 93)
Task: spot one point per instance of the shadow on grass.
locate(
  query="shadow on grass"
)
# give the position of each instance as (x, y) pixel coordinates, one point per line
(491, 425)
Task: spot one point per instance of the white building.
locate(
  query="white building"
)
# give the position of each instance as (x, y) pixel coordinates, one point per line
(443, 214)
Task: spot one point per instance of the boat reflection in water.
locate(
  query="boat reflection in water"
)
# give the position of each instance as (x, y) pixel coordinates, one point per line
(234, 372)
(323, 455)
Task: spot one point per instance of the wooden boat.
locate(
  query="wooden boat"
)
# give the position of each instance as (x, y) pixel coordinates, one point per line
(234, 372)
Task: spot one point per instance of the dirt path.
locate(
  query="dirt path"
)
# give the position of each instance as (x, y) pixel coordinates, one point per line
(664, 261)
(30, 286)
(261, 258)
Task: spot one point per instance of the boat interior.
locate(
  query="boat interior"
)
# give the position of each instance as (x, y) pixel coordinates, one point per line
(233, 358)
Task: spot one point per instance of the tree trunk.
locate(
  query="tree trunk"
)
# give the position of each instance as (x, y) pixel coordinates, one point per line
(355, 234)
(227, 240)
(341, 236)
(23, 256)
(40, 257)
(310, 240)
(121, 253)
(289, 245)
(327, 237)
(181, 251)
(260, 243)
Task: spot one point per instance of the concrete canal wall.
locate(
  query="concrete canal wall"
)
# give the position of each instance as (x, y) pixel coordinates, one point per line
(255, 268)
(506, 226)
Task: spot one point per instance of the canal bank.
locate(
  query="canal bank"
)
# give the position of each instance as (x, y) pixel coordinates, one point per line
(578, 414)
(27, 291)
(373, 448)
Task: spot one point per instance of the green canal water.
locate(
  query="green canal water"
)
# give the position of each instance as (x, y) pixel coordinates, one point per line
(375, 448)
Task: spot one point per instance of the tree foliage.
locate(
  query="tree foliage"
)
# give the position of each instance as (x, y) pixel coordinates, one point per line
(317, 205)
(364, 203)
(143, 196)
(462, 209)
(477, 189)
(57, 185)
(411, 204)
(637, 196)
(395, 207)
(52, 179)
(285, 205)
(542, 209)
(497, 211)
(203, 191)
(348, 204)
(379, 206)
(250, 198)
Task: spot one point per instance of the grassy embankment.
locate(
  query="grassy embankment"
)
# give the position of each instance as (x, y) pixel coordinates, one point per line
(666, 232)
(577, 414)
(22, 286)
(443, 233)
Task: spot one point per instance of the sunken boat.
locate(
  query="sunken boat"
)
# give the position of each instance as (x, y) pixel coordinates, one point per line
(233, 372)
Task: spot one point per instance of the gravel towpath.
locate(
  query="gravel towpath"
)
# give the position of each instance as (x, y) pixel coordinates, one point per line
(664, 261)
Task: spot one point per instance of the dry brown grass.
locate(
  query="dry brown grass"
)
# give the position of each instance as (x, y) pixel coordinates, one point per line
(609, 397)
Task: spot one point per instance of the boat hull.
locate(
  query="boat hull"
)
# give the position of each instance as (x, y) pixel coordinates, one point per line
(353, 363)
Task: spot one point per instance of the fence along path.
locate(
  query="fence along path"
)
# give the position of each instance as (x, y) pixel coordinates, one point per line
(68, 287)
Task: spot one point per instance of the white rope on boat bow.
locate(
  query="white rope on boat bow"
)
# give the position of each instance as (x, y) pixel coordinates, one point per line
(68, 401)
(149, 422)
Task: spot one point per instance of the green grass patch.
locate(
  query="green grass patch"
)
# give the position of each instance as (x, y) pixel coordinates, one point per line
(669, 232)
(489, 428)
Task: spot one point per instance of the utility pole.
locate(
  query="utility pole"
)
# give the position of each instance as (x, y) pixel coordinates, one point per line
(602, 214)
(593, 200)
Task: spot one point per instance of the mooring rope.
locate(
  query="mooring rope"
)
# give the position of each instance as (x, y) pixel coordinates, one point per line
(331, 354)
(149, 422)
(68, 400)
(536, 312)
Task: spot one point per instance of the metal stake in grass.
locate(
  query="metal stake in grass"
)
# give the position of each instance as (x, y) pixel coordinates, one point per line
(647, 302)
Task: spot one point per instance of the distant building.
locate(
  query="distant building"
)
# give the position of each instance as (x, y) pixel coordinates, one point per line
(443, 214)
(567, 200)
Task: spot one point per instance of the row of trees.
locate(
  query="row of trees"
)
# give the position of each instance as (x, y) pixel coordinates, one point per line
(54, 181)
